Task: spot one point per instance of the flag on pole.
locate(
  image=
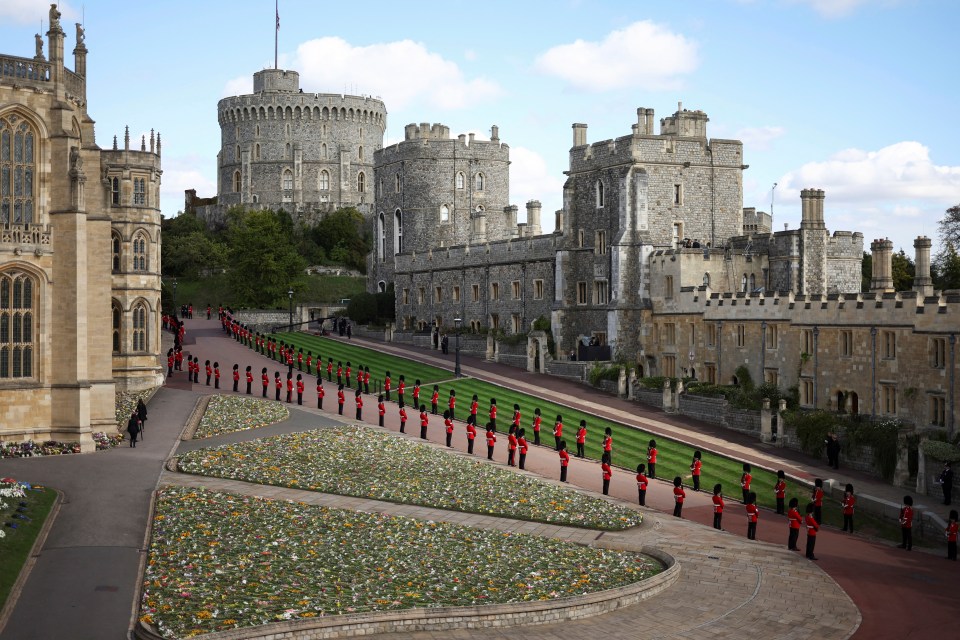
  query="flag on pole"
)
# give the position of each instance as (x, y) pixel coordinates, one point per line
(278, 18)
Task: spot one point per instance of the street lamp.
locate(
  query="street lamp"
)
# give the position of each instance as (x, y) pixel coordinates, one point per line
(290, 293)
(457, 322)
(174, 297)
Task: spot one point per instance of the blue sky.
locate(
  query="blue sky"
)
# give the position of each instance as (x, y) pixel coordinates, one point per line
(857, 97)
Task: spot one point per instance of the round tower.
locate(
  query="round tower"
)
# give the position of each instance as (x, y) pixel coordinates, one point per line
(302, 152)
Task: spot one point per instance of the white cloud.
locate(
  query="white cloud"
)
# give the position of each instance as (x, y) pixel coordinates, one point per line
(32, 11)
(402, 73)
(181, 173)
(758, 138)
(643, 55)
(238, 86)
(891, 175)
(530, 180)
(840, 8)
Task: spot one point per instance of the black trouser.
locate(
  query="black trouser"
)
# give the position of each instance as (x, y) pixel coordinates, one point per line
(249, 387)
(387, 394)
(811, 543)
(746, 493)
(907, 534)
(606, 486)
(523, 460)
(451, 413)
(339, 408)
(366, 387)
(470, 445)
(696, 483)
(952, 550)
(289, 395)
(563, 474)
(423, 432)
(751, 531)
(717, 518)
(449, 439)
(557, 443)
(208, 380)
(319, 403)
(169, 371)
(643, 497)
(510, 456)
(678, 509)
(359, 412)
(433, 408)
(651, 470)
(792, 540)
(216, 383)
(381, 420)
(278, 394)
(264, 391)
(403, 426)
(400, 399)
(236, 385)
(818, 513)
(536, 437)
(848, 521)
(579, 449)
(299, 398)
(489, 452)
(780, 506)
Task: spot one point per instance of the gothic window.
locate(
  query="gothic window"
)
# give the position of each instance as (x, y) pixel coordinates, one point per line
(461, 179)
(115, 191)
(599, 193)
(236, 181)
(17, 171)
(115, 242)
(17, 331)
(287, 180)
(117, 314)
(753, 282)
(381, 237)
(361, 182)
(139, 252)
(289, 154)
(478, 182)
(398, 232)
(444, 213)
(140, 327)
(324, 180)
(238, 153)
(139, 191)
(256, 151)
(399, 184)
(360, 150)
(743, 283)
(706, 279)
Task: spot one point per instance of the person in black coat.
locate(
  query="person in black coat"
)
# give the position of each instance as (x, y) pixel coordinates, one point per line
(133, 428)
(946, 482)
(833, 450)
(141, 415)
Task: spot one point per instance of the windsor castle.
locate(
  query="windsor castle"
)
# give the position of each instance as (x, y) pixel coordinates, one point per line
(652, 253)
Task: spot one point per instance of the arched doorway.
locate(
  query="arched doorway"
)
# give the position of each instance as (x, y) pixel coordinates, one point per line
(854, 403)
(841, 402)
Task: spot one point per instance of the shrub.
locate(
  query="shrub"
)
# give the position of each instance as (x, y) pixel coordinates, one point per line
(744, 378)
(940, 450)
(653, 382)
(812, 428)
(883, 437)
(598, 373)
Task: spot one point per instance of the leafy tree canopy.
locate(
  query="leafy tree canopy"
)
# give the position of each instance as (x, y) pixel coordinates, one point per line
(264, 262)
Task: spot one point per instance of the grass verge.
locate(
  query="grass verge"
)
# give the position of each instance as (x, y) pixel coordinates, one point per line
(16, 545)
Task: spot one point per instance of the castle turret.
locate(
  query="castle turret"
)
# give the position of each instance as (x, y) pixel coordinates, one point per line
(579, 134)
(882, 278)
(533, 218)
(922, 282)
(812, 209)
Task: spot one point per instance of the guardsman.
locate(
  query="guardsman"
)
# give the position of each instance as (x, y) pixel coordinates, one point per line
(424, 422)
(249, 380)
(309, 361)
(386, 386)
(581, 438)
(678, 497)
(278, 383)
(366, 379)
(349, 375)
(780, 490)
(471, 435)
(491, 440)
(474, 404)
(695, 467)
(339, 372)
(416, 393)
(795, 520)
(320, 392)
(401, 389)
(817, 497)
(381, 409)
(289, 387)
(558, 431)
(208, 369)
(511, 445)
(216, 375)
(435, 400)
(264, 381)
(452, 403)
(564, 460)
(236, 377)
(300, 388)
(340, 399)
(516, 416)
(847, 504)
(170, 360)
(358, 398)
(753, 514)
(607, 472)
(717, 506)
(652, 459)
(642, 484)
(448, 426)
(906, 523)
(812, 528)
(745, 480)
(523, 446)
(403, 419)
(330, 370)
(493, 413)
(536, 426)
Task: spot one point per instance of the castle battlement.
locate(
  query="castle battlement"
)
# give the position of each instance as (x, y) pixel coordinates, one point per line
(489, 253)
(302, 106)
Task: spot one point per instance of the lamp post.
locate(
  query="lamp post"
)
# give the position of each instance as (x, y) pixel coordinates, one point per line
(174, 297)
(290, 293)
(456, 369)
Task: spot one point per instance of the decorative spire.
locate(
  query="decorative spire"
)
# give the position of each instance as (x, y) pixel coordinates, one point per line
(152, 141)
(143, 143)
(114, 142)
(126, 138)
(158, 143)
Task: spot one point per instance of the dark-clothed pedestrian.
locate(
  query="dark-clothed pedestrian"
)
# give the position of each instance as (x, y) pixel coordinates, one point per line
(133, 428)
(945, 480)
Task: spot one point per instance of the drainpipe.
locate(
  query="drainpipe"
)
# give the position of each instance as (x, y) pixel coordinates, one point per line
(816, 366)
(873, 371)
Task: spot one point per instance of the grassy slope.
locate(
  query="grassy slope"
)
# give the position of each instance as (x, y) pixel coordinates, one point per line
(15, 547)
(214, 290)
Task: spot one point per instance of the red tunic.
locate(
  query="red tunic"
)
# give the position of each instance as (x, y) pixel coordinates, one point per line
(340, 397)
(607, 471)
(512, 442)
(236, 375)
(718, 504)
(679, 494)
(951, 532)
(848, 502)
(641, 482)
(817, 497)
(300, 386)
(745, 481)
(558, 430)
(209, 371)
(695, 467)
(493, 412)
(491, 438)
(386, 384)
(522, 443)
(906, 518)
(812, 526)
(448, 423)
(424, 419)
(473, 408)
(471, 431)
(359, 402)
(608, 444)
(536, 424)
(416, 395)
(795, 518)
(651, 456)
(516, 418)
(753, 512)
(435, 398)
(582, 436)
(250, 377)
(452, 403)
(780, 489)
(564, 458)
(265, 380)
(381, 408)
(320, 391)
(403, 414)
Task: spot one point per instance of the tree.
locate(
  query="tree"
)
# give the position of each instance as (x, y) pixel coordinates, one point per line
(264, 263)
(946, 269)
(341, 235)
(950, 227)
(866, 272)
(188, 249)
(903, 271)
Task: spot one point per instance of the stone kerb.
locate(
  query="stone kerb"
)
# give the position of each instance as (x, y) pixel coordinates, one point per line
(452, 618)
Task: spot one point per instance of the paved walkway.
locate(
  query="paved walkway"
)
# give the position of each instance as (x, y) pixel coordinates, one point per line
(86, 577)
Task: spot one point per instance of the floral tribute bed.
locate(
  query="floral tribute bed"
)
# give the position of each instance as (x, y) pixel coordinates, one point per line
(226, 414)
(219, 561)
(362, 462)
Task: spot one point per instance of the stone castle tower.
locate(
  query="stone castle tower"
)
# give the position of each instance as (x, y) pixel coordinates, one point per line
(435, 191)
(79, 252)
(305, 153)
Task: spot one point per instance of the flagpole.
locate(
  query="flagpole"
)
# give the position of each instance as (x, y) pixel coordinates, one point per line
(276, 33)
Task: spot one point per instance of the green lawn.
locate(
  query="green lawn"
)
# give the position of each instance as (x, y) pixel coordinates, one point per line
(378, 362)
(16, 545)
